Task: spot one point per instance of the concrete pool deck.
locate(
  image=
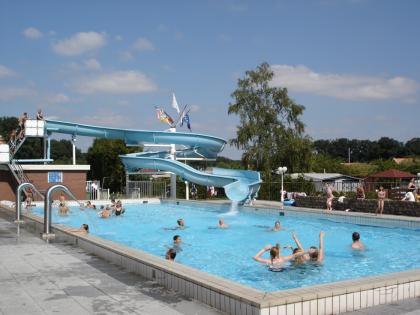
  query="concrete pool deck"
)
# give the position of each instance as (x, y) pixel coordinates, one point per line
(57, 278)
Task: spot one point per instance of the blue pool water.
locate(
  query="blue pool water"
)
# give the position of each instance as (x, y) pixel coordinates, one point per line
(228, 253)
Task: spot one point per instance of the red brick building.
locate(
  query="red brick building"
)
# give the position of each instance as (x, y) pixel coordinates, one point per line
(44, 176)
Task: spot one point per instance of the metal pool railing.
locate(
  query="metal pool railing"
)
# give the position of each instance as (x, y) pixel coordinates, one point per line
(146, 189)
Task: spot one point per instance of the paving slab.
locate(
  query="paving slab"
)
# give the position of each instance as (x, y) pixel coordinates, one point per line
(57, 278)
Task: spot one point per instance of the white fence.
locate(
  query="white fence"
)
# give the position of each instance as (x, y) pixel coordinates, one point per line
(95, 192)
(146, 189)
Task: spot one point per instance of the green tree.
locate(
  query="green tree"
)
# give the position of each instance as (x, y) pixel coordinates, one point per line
(7, 124)
(103, 157)
(270, 131)
(413, 146)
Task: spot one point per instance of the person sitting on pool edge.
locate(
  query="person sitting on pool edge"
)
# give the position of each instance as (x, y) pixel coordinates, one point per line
(276, 262)
(170, 254)
(357, 244)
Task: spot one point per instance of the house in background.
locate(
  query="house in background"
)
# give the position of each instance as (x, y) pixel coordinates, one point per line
(340, 182)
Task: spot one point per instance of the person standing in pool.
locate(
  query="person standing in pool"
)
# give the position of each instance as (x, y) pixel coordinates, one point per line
(357, 244)
(63, 209)
(314, 254)
(119, 208)
(276, 262)
(277, 227)
(381, 201)
(222, 224)
(177, 243)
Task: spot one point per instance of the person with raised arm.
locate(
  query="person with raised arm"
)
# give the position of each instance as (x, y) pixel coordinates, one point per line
(276, 261)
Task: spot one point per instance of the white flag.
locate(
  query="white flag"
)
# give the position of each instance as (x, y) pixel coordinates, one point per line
(175, 103)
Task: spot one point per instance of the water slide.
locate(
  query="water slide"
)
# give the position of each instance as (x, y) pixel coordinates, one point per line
(239, 185)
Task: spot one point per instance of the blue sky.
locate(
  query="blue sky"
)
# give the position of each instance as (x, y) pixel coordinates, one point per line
(354, 64)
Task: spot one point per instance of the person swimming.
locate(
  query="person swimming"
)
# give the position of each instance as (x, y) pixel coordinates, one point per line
(180, 225)
(84, 228)
(177, 243)
(220, 225)
(277, 227)
(170, 254)
(357, 244)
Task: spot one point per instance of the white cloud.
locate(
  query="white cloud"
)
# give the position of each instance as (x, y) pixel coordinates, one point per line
(32, 33)
(143, 44)
(58, 98)
(80, 43)
(9, 93)
(120, 82)
(118, 38)
(126, 56)
(107, 118)
(344, 86)
(92, 64)
(6, 72)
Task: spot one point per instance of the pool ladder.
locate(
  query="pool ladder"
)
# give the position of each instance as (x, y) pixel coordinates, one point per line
(47, 205)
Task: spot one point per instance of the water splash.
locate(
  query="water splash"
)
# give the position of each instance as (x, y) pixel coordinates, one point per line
(233, 210)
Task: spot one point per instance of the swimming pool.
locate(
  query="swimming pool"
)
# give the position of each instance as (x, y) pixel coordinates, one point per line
(228, 253)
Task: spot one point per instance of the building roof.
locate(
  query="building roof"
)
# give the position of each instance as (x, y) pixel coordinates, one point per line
(322, 176)
(402, 160)
(393, 173)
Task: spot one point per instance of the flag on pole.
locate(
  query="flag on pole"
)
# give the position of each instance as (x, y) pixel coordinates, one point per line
(164, 116)
(175, 103)
(186, 120)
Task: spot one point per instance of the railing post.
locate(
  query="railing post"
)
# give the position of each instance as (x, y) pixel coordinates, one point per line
(19, 190)
(47, 208)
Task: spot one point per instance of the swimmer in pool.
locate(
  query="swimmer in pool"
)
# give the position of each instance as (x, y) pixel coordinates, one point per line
(277, 227)
(314, 254)
(63, 209)
(119, 208)
(276, 262)
(357, 244)
(220, 225)
(170, 254)
(84, 228)
(181, 225)
(177, 243)
(105, 213)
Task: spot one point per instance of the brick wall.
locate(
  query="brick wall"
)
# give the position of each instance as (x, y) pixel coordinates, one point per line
(74, 180)
(367, 205)
(7, 185)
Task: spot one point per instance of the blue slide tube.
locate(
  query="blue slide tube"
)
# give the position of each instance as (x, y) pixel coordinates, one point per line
(239, 185)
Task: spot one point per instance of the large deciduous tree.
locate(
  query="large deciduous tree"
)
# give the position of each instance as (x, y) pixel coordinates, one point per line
(270, 131)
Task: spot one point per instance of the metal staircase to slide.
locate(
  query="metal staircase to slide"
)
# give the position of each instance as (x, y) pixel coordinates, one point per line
(17, 170)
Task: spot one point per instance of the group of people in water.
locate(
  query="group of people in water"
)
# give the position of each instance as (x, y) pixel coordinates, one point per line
(177, 240)
(299, 255)
(106, 211)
